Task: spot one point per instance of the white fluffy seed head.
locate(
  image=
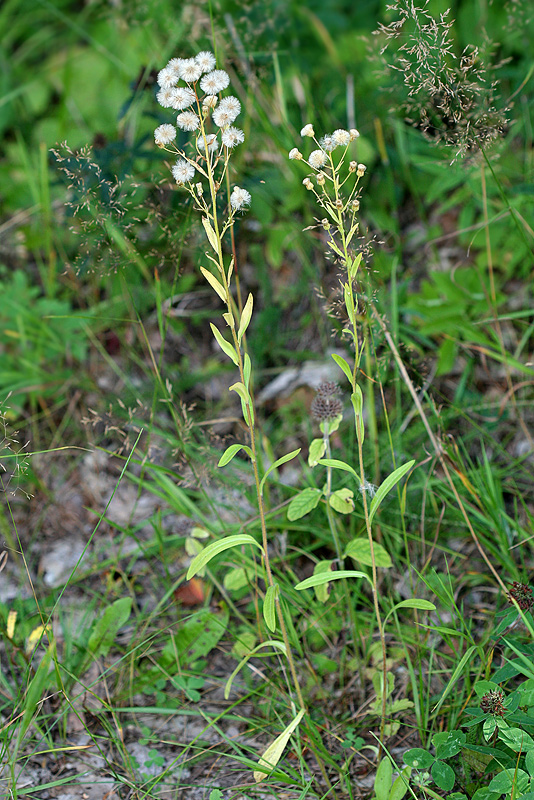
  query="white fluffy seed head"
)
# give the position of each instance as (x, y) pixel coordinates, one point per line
(183, 172)
(166, 78)
(164, 134)
(212, 142)
(209, 102)
(232, 136)
(295, 153)
(307, 130)
(341, 137)
(327, 143)
(190, 71)
(165, 97)
(239, 198)
(205, 60)
(317, 159)
(230, 106)
(353, 134)
(188, 121)
(214, 82)
(182, 97)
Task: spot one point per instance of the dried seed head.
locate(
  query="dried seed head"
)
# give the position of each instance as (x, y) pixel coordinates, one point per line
(295, 153)
(493, 703)
(355, 205)
(307, 130)
(361, 170)
(308, 184)
(321, 178)
(353, 166)
(326, 224)
(328, 389)
(353, 134)
(325, 408)
(522, 594)
(317, 159)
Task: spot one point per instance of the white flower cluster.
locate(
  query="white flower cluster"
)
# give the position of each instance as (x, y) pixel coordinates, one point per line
(200, 108)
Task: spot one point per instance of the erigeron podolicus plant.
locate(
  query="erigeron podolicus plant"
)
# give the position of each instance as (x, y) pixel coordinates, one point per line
(193, 88)
(335, 186)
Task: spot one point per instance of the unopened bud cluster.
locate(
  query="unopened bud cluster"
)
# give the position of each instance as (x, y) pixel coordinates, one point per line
(193, 87)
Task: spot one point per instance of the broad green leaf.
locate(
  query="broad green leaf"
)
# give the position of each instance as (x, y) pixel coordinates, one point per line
(273, 754)
(269, 606)
(319, 580)
(489, 727)
(316, 451)
(517, 740)
(215, 548)
(225, 346)
(245, 318)
(231, 451)
(105, 630)
(337, 464)
(418, 758)
(342, 500)
(214, 283)
(277, 464)
(210, 233)
(321, 591)
(360, 550)
(529, 762)
(383, 779)
(400, 784)
(443, 775)
(506, 780)
(303, 503)
(342, 364)
(415, 602)
(386, 486)
(270, 643)
(481, 687)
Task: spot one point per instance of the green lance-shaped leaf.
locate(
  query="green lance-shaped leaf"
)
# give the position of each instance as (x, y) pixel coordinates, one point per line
(269, 606)
(230, 452)
(210, 233)
(245, 318)
(273, 754)
(214, 283)
(229, 319)
(215, 548)
(225, 346)
(246, 402)
(303, 503)
(342, 364)
(349, 303)
(114, 617)
(247, 369)
(337, 464)
(415, 602)
(277, 464)
(360, 550)
(321, 591)
(353, 266)
(319, 580)
(270, 643)
(386, 486)
(316, 451)
(357, 403)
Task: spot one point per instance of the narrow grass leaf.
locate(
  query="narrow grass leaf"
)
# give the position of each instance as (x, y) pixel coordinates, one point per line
(215, 548)
(269, 607)
(319, 580)
(386, 487)
(231, 451)
(214, 283)
(303, 503)
(342, 364)
(357, 403)
(225, 346)
(269, 643)
(210, 233)
(273, 754)
(454, 677)
(105, 631)
(337, 464)
(277, 464)
(321, 592)
(245, 318)
(35, 692)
